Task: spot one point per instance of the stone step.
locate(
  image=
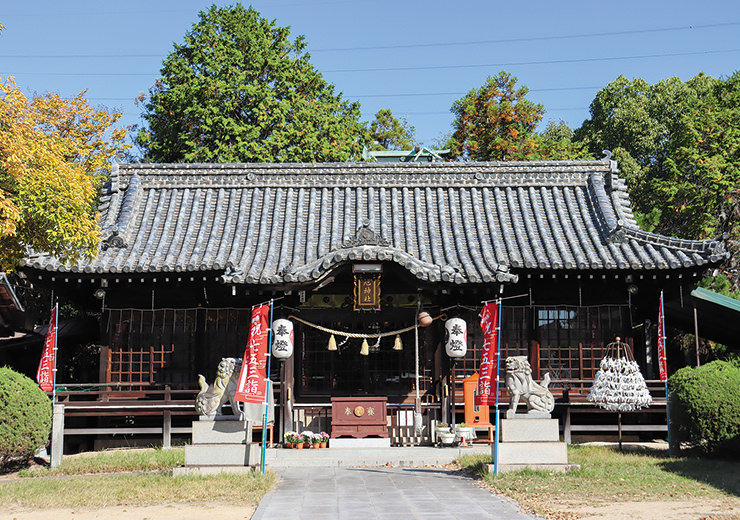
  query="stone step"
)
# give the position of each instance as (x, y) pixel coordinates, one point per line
(550, 468)
(532, 453)
(411, 456)
(222, 455)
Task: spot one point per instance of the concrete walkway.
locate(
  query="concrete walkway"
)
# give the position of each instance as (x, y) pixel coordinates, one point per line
(365, 493)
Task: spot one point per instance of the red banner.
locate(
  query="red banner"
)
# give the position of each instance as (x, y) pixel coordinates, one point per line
(252, 385)
(486, 393)
(662, 364)
(45, 373)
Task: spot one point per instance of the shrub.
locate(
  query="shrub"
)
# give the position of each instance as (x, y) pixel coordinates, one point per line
(706, 406)
(25, 417)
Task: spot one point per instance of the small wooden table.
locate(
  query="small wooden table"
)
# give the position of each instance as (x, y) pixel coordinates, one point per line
(358, 417)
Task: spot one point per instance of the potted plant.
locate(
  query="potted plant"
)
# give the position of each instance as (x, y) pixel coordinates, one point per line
(305, 438)
(442, 428)
(447, 437)
(316, 440)
(324, 439)
(463, 430)
(289, 438)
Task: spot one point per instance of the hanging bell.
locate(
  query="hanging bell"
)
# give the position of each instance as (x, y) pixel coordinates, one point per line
(398, 345)
(365, 350)
(332, 343)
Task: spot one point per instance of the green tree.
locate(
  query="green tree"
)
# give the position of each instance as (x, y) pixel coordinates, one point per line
(495, 122)
(556, 144)
(701, 182)
(390, 133)
(639, 122)
(239, 90)
(678, 146)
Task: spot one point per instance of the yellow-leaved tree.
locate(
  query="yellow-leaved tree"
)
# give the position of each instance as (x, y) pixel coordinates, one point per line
(54, 153)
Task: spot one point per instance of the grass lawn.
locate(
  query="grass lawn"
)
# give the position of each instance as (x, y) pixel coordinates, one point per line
(608, 475)
(137, 477)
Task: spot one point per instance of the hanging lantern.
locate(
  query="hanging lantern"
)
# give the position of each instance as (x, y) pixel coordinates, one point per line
(456, 337)
(282, 344)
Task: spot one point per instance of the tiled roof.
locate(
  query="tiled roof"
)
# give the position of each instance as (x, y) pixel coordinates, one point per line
(451, 222)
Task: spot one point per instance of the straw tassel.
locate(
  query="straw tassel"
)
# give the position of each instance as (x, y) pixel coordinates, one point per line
(398, 345)
(365, 350)
(332, 343)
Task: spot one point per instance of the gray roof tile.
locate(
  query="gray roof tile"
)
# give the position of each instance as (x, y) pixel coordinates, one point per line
(452, 222)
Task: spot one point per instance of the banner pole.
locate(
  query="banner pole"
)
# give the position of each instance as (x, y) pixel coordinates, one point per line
(661, 340)
(267, 391)
(498, 355)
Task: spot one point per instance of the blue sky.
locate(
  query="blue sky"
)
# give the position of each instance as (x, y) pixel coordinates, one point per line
(413, 57)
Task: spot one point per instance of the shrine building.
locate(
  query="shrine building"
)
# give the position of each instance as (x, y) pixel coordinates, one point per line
(347, 249)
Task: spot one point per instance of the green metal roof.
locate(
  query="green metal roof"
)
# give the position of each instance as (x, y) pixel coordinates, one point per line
(716, 316)
(716, 298)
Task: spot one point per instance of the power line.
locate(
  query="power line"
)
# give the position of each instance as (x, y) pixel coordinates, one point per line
(420, 94)
(531, 38)
(393, 95)
(539, 62)
(433, 67)
(448, 112)
(413, 45)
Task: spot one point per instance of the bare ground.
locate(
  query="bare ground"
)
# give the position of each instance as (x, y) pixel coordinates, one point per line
(201, 511)
(704, 509)
(726, 509)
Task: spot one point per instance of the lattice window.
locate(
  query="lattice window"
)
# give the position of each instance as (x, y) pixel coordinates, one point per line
(172, 345)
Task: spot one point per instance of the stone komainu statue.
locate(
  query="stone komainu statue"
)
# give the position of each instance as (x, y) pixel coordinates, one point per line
(520, 385)
(211, 398)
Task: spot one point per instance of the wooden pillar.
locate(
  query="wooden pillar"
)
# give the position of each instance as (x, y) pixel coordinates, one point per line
(287, 382)
(534, 359)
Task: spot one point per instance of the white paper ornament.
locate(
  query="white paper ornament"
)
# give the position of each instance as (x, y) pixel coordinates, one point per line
(618, 384)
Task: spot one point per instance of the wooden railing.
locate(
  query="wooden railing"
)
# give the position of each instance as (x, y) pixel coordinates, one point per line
(136, 409)
(130, 402)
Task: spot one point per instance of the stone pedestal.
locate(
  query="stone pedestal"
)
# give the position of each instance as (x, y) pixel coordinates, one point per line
(220, 446)
(531, 443)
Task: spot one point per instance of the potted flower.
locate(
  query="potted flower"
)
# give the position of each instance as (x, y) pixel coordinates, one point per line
(316, 440)
(289, 438)
(305, 439)
(442, 428)
(324, 439)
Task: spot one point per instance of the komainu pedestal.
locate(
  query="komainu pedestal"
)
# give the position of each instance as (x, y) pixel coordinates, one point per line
(532, 443)
(532, 439)
(220, 446)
